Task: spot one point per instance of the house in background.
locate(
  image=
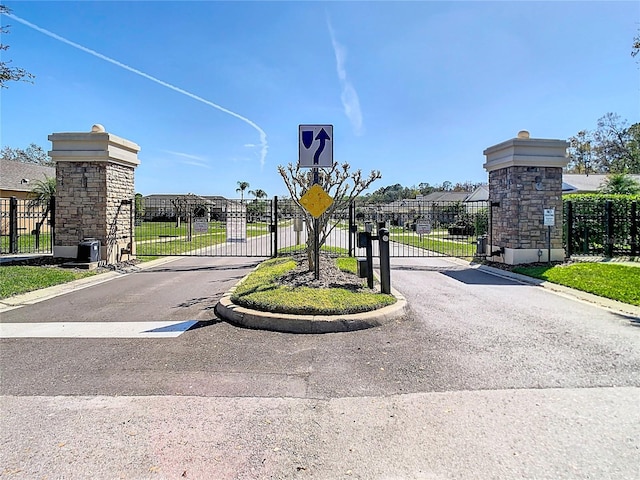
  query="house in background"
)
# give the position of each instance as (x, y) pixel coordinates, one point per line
(17, 179)
(163, 207)
(583, 183)
(440, 206)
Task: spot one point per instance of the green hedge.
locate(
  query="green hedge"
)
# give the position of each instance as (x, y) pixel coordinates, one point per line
(590, 224)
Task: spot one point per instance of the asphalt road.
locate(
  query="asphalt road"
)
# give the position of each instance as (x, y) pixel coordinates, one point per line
(484, 378)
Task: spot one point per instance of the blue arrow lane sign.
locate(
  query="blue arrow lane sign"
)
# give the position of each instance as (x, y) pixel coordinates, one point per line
(315, 145)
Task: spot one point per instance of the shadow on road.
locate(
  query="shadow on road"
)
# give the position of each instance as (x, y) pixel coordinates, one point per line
(469, 276)
(476, 277)
(200, 268)
(205, 323)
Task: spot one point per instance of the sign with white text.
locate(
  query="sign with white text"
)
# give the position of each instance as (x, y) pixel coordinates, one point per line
(423, 228)
(549, 217)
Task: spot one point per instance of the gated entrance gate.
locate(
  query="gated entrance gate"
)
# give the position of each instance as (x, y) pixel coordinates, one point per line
(421, 228)
(192, 225)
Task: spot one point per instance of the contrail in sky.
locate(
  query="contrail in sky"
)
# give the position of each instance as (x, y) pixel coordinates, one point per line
(349, 97)
(263, 136)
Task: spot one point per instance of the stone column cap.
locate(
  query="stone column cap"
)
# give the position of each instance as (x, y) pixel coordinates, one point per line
(93, 146)
(527, 152)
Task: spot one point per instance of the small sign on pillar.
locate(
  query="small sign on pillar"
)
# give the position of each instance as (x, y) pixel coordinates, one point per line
(549, 217)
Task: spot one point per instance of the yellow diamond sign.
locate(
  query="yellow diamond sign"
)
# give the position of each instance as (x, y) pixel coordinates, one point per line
(316, 200)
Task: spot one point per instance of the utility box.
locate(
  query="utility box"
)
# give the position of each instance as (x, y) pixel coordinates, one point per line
(364, 238)
(481, 245)
(363, 267)
(89, 251)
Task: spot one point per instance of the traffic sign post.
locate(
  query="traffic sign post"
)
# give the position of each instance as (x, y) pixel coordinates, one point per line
(315, 150)
(316, 201)
(315, 146)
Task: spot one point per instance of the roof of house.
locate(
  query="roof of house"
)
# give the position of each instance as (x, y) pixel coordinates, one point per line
(20, 177)
(443, 197)
(480, 194)
(163, 196)
(583, 183)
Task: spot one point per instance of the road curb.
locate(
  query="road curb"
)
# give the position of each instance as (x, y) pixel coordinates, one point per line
(287, 323)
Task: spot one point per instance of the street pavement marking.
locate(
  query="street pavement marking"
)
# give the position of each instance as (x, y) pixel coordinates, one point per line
(167, 329)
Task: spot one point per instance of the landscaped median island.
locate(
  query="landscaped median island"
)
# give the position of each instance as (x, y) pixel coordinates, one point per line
(282, 294)
(285, 285)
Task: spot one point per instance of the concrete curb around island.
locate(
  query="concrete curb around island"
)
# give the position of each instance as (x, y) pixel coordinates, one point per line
(288, 323)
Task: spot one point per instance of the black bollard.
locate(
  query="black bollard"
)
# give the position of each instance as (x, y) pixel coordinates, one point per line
(385, 267)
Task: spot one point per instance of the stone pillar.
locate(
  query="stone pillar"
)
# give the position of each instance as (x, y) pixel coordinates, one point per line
(94, 192)
(525, 179)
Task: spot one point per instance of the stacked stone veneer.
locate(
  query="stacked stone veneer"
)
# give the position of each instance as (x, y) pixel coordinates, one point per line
(95, 188)
(525, 178)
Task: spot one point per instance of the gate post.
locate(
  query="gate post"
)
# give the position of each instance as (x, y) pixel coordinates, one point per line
(13, 225)
(94, 183)
(52, 222)
(609, 229)
(635, 250)
(525, 179)
(274, 230)
(569, 228)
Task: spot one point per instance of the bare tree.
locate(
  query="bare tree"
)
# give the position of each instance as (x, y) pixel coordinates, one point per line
(339, 183)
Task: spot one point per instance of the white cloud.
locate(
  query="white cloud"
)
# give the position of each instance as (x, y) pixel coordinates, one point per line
(349, 96)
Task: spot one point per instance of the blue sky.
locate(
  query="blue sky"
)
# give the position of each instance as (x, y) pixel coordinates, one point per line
(213, 92)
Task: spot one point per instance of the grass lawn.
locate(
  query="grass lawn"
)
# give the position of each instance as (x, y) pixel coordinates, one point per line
(15, 280)
(164, 238)
(260, 291)
(617, 282)
(27, 243)
(466, 247)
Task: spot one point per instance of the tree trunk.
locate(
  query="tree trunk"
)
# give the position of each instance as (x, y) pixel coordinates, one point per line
(310, 245)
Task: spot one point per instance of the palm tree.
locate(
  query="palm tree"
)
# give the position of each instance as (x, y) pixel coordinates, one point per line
(620, 183)
(40, 196)
(259, 193)
(242, 186)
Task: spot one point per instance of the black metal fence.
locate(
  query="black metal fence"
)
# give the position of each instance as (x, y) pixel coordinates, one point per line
(215, 226)
(420, 228)
(191, 225)
(26, 227)
(599, 226)
(292, 229)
